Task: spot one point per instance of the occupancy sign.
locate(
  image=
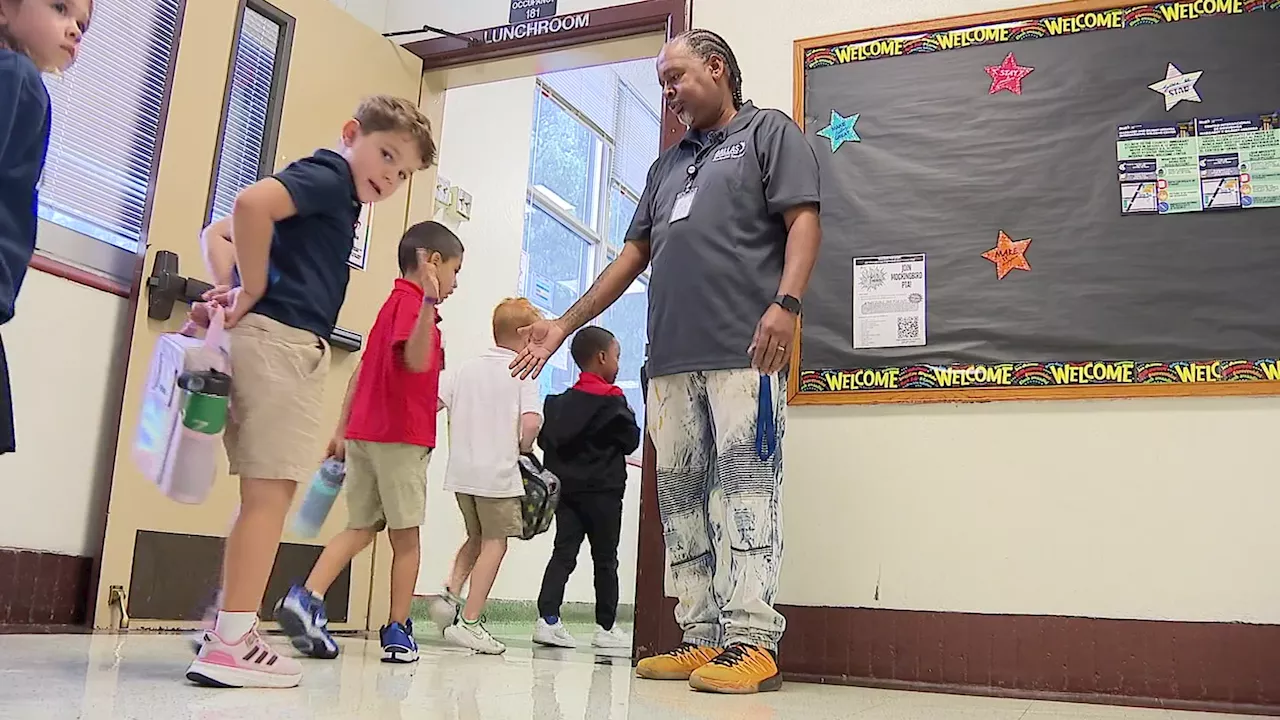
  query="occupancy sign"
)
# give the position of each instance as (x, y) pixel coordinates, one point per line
(1199, 164)
(522, 10)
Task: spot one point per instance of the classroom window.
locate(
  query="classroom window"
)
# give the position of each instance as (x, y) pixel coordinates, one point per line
(104, 144)
(251, 113)
(567, 163)
(628, 319)
(558, 270)
(596, 132)
(622, 208)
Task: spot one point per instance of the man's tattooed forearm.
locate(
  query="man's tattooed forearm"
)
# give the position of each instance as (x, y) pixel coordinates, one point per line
(585, 310)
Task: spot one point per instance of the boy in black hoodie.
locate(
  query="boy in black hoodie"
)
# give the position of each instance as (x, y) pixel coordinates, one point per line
(587, 434)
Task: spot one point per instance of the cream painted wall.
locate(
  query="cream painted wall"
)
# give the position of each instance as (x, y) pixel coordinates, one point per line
(1156, 509)
(487, 154)
(370, 12)
(63, 382)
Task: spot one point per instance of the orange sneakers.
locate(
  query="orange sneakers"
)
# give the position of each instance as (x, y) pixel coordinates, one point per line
(678, 664)
(740, 670)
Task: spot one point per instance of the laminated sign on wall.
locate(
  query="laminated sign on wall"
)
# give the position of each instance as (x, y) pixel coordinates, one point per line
(360, 240)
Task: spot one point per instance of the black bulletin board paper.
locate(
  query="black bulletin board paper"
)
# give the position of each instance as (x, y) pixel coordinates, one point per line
(942, 167)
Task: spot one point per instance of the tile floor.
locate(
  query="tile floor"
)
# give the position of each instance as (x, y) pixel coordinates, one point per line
(139, 677)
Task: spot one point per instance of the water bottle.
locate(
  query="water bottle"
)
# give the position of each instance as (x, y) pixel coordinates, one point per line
(205, 398)
(189, 467)
(321, 492)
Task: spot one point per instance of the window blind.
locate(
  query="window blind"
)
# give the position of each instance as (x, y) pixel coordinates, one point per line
(642, 76)
(637, 142)
(592, 91)
(246, 119)
(106, 122)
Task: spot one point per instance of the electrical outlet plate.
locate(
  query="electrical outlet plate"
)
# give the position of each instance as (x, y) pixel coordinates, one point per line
(462, 203)
(443, 194)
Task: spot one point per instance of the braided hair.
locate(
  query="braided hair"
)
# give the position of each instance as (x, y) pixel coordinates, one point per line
(706, 44)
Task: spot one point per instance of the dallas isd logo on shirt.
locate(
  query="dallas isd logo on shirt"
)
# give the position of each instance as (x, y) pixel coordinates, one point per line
(730, 152)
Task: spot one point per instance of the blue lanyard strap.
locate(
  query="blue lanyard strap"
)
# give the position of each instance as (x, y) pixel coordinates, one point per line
(766, 430)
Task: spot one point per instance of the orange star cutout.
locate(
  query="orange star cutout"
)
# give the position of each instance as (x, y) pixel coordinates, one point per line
(1008, 255)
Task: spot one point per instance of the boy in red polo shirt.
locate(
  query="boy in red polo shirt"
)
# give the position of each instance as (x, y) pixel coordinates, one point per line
(386, 433)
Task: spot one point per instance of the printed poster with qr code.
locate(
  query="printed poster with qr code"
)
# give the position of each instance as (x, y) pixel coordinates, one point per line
(888, 301)
(360, 240)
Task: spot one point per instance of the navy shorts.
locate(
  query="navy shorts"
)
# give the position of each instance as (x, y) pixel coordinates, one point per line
(7, 441)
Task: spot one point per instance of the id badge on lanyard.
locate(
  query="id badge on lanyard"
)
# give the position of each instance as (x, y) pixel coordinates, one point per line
(684, 201)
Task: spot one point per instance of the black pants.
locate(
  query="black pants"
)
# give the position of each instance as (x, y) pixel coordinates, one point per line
(598, 518)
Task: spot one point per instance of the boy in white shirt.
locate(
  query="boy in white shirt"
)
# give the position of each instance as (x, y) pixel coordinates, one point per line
(493, 417)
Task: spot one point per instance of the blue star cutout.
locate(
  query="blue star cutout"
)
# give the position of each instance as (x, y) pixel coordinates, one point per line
(841, 131)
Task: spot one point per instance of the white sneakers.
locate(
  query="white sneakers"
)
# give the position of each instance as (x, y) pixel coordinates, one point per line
(614, 639)
(558, 635)
(550, 635)
(473, 636)
(444, 609)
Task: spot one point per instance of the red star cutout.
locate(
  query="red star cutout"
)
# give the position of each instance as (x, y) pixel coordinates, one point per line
(1008, 255)
(1007, 76)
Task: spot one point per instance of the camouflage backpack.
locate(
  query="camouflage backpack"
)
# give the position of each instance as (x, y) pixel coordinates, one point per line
(541, 496)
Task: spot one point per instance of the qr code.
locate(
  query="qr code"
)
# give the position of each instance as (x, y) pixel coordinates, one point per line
(908, 328)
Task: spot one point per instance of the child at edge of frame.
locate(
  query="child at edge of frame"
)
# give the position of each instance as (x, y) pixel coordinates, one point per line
(35, 37)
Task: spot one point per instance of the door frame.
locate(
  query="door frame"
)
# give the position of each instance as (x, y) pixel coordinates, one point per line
(654, 623)
(124, 346)
(199, 132)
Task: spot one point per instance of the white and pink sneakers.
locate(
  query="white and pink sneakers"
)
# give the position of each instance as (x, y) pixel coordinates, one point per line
(247, 662)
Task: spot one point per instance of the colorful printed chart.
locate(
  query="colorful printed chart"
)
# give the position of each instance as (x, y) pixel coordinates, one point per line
(1200, 164)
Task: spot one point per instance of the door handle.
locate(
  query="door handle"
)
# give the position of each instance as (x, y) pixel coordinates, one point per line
(165, 286)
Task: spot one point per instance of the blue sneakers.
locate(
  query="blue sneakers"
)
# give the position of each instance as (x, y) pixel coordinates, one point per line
(301, 615)
(398, 645)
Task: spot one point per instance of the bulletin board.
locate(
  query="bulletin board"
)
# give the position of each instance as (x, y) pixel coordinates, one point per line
(1063, 201)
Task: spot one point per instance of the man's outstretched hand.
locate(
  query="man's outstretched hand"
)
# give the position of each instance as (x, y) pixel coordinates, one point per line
(542, 340)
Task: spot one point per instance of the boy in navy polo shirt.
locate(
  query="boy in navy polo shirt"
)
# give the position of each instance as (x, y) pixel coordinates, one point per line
(386, 433)
(288, 241)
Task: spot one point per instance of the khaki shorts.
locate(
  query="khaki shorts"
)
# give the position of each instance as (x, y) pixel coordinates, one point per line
(491, 518)
(277, 394)
(386, 485)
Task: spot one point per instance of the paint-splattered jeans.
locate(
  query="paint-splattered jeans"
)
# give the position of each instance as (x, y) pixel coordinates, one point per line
(720, 502)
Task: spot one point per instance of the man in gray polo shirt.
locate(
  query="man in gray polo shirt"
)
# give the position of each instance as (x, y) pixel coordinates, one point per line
(729, 219)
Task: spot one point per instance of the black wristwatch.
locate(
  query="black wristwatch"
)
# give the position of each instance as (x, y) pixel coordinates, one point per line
(789, 303)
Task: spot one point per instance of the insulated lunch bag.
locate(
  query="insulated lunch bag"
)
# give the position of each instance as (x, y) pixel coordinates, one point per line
(541, 496)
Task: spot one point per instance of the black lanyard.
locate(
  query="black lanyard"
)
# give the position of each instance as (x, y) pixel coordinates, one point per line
(715, 139)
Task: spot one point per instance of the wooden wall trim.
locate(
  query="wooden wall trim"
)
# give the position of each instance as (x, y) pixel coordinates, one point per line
(44, 589)
(611, 23)
(57, 268)
(607, 23)
(1207, 666)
